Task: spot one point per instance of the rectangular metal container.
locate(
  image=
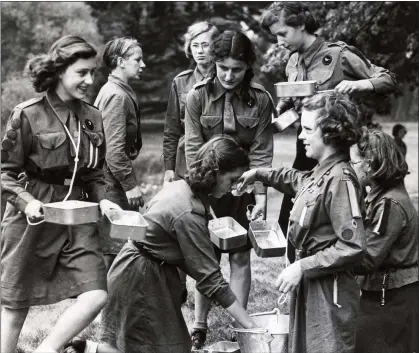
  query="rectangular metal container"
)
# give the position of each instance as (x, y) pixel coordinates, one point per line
(223, 347)
(126, 224)
(71, 212)
(226, 233)
(285, 120)
(267, 238)
(295, 89)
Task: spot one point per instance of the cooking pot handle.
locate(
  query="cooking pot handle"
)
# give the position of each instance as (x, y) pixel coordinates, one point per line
(274, 311)
(250, 330)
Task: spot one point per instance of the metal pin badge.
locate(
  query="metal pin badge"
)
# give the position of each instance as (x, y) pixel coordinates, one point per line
(89, 124)
(251, 102)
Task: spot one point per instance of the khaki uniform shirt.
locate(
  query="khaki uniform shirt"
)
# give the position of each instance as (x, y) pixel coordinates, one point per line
(121, 121)
(174, 127)
(254, 132)
(36, 143)
(392, 239)
(178, 234)
(325, 222)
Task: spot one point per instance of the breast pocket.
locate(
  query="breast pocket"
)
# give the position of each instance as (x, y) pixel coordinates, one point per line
(93, 148)
(248, 121)
(211, 122)
(304, 212)
(53, 151)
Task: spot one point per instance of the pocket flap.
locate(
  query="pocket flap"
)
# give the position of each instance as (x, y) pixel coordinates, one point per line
(52, 140)
(248, 122)
(96, 138)
(209, 121)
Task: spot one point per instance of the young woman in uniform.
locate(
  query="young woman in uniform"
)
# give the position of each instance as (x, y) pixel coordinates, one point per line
(198, 39)
(121, 122)
(325, 227)
(333, 65)
(389, 304)
(231, 103)
(47, 138)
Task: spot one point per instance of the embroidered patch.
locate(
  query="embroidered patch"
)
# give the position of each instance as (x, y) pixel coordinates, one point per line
(4, 156)
(11, 134)
(347, 234)
(327, 60)
(15, 124)
(89, 124)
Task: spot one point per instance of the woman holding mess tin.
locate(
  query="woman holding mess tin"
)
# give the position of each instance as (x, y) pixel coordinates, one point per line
(389, 271)
(50, 140)
(325, 228)
(231, 103)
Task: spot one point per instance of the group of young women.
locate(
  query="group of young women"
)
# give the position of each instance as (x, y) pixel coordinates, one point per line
(218, 136)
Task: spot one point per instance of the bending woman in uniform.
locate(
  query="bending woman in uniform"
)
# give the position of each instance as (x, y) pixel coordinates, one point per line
(121, 122)
(198, 39)
(333, 65)
(231, 103)
(48, 138)
(325, 228)
(389, 284)
(143, 312)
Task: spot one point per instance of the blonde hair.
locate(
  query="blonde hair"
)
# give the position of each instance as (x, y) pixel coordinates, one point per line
(118, 47)
(195, 30)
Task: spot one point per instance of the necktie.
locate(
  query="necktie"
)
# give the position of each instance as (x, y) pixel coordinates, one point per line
(229, 122)
(301, 68)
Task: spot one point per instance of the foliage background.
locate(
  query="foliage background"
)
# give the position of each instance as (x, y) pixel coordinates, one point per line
(386, 32)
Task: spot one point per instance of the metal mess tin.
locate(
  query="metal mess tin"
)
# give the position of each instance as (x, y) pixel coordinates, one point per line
(297, 89)
(223, 347)
(226, 233)
(267, 238)
(126, 224)
(71, 212)
(285, 120)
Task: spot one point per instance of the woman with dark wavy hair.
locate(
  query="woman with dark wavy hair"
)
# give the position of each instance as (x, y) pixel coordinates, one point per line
(143, 312)
(325, 227)
(231, 103)
(52, 142)
(389, 282)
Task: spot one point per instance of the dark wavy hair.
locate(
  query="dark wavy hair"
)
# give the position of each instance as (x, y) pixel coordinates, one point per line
(44, 70)
(339, 119)
(387, 163)
(397, 128)
(294, 13)
(235, 45)
(221, 154)
(118, 48)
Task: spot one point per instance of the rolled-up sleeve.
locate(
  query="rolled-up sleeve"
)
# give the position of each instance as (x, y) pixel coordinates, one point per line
(172, 129)
(200, 260)
(261, 150)
(353, 66)
(114, 111)
(13, 157)
(193, 130)
(350, 245)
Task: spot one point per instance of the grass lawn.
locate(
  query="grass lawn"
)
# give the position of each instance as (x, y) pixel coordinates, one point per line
(263, 295)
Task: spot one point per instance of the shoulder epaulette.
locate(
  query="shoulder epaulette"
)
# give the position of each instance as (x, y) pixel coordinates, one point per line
(29, 102)
(197, 206)
(201, 83)
(257, 86)
(356, 51)
(183, 73)
(382, 221)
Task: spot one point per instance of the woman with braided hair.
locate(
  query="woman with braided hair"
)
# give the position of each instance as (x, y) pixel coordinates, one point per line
(231, 103)
(143, 312)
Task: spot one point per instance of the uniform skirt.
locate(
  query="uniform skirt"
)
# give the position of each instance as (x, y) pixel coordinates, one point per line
(143, 312)
(46, 263)
(389, 328)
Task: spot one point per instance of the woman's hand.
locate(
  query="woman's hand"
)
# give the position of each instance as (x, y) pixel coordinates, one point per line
(258, 210)
(135, 197)
(106, 205)
(247, 178)
(169, 176)
(347, 87)
(34, 211)
(290, 278)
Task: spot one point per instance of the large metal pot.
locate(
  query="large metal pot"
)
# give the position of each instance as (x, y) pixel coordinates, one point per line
(271, 338)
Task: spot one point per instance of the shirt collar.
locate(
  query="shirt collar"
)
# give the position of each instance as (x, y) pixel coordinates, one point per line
(375, 191)
(312, 50)
(328, 163)
(199, 76)
(125, 86)
(61, 109)
(219, 90)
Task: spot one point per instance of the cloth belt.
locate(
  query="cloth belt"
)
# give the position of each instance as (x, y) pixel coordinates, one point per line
(146, 254)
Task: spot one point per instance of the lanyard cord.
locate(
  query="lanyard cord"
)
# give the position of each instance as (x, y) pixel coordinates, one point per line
(76, 160)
